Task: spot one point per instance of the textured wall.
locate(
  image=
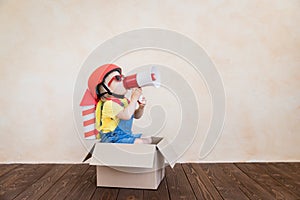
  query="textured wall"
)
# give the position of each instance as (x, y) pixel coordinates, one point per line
(255, 46)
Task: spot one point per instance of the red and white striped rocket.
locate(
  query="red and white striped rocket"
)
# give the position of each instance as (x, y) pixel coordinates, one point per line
(88, 106)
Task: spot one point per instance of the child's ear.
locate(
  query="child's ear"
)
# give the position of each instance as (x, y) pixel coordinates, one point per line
(100, 89)
(98, 92)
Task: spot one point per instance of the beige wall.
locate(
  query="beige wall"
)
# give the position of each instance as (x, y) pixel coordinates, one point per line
(255, 46)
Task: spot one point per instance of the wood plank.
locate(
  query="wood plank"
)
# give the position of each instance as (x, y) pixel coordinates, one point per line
(186, 181)
(103, 193)
(295, 166)
(37, 189)
(200, 183)
(288, 168)
(85, 187)
(290, 182)
(21, 177)
(4, 168)
(160, 193)
(178, 184)
(224, 184)
(245, 183)
(266, 181)
(130, 194)
(66, 183)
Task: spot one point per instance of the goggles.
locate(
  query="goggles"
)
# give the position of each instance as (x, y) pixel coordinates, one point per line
(117, 78)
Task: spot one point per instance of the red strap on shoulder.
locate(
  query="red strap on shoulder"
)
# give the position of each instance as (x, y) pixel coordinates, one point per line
(116, 100)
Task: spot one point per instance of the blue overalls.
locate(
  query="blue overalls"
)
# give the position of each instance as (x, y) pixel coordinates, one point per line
(122, 133)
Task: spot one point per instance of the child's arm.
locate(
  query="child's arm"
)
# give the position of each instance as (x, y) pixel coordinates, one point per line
(127, 113)
(139, 112)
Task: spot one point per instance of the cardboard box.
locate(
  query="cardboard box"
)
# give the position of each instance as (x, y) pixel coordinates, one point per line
(128, 165)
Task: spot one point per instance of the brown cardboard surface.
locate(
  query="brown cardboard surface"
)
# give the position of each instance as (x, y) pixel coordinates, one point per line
(129, 165)
(109, 177)
(123, 155)
(132, 177)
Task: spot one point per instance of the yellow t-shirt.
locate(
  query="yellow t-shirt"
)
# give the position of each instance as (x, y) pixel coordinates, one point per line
(110, 110)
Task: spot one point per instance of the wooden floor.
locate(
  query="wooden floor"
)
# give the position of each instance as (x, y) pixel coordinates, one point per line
(185, 181)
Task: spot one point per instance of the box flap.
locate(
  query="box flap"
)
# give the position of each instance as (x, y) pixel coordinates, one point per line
(168, 151)
(156, 140)
(89, 155)
(123, 155)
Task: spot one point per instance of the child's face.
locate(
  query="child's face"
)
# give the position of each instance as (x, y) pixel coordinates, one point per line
(115, 83)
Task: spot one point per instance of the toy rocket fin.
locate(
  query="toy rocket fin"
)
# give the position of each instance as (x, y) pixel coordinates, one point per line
(88, 99)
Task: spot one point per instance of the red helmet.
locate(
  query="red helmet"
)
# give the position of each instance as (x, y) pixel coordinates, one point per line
(98, 76)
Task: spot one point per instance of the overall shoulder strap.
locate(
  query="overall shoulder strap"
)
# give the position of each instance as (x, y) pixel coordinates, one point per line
(98, 114)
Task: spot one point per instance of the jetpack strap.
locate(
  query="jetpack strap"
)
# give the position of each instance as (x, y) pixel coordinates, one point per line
(118, 101)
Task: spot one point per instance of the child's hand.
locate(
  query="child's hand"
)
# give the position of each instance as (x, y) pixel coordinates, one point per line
(139, 112)
(142, 101)
(136, 93)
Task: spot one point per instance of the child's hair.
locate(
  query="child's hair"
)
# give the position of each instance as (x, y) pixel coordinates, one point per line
(101, 90)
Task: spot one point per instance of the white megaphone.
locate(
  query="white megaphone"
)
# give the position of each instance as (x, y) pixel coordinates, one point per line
(149, 77)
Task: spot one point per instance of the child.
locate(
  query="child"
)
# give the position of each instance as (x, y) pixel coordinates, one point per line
(114, 112)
